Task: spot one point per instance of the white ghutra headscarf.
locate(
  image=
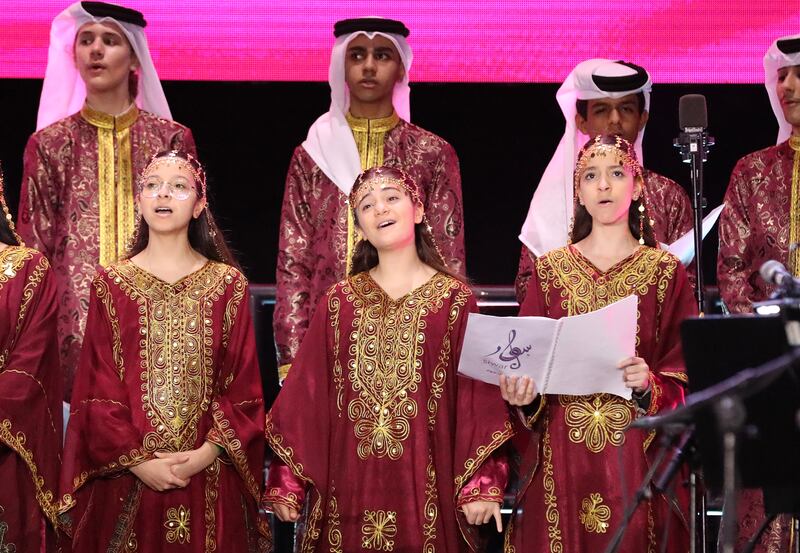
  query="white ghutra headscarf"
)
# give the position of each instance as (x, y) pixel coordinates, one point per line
(547, 225)
(63, 90)
(330, 141)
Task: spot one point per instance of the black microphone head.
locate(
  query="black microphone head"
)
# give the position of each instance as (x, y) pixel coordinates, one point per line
(692, 111)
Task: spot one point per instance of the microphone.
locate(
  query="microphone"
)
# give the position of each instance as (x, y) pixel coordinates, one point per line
(694, 143)
(773, 272)
(692, 114)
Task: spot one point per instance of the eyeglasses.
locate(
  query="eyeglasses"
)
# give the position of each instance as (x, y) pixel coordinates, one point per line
(177, 190)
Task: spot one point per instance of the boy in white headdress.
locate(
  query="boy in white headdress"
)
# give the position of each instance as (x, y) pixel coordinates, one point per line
(368, 125)
(761, 221)
(599, 96)
(102, 116)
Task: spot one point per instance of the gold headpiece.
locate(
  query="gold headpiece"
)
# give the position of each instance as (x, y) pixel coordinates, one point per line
(176, 157)
(379, 179)
(602, 145)
(6, 212)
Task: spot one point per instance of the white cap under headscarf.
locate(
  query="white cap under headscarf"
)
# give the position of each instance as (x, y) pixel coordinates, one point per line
(775, 58)
(330, 141)
(547, 225)
(64, 92)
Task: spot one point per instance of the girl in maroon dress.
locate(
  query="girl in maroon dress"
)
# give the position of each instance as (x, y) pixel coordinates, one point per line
(374, 432)
(164, 447)
(576, 450)
(30, 395)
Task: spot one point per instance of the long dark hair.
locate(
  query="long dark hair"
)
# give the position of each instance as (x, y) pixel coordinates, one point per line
(7, 234)
(205, 237)
(582, 222)
(365, 255)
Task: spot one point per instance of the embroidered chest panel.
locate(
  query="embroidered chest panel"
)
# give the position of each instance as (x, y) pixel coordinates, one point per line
(384, 369)
(583, 289)
(176, 348)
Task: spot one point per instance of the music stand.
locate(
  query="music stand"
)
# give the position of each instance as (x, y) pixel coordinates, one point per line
(717, 348)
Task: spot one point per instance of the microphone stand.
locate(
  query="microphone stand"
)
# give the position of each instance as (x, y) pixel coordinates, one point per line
(694, 144)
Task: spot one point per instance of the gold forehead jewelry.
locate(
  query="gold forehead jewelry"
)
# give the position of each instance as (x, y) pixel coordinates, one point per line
(174, 158)
(381, 182)
(621, 148)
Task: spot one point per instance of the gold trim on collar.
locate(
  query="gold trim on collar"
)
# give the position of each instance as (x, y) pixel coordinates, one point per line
(382, 124)
(106, 121)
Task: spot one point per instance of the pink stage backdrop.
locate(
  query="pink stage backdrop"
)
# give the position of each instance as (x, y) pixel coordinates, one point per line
(678, 41)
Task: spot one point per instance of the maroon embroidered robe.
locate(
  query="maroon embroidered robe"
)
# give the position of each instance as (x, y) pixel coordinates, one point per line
(30, 403)
(395, 440)
(166, 367)
(579, 450)
(760, 220)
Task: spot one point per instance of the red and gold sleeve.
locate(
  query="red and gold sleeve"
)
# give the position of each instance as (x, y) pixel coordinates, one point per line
(735, 257)
(238, 407)
(524, 273)
(283, 486)
(489, 481)
(444, 209)
(101, 438)
(667, 368)
(295, 265)
(38, 201)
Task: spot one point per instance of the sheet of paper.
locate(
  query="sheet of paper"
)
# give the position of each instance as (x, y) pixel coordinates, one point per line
(506, 345)
(583, 360)
(683, 247)
(590, 347)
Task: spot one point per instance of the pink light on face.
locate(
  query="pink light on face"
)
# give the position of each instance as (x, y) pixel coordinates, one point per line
(678, 41)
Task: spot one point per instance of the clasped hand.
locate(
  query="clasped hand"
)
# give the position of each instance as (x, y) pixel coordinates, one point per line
(169, 471)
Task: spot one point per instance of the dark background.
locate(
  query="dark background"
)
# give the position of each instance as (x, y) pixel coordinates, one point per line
(504, 135)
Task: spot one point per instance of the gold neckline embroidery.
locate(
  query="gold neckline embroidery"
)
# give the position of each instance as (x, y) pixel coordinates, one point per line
(177, 284)
(106, 121)
(379, 125)
(408, 294)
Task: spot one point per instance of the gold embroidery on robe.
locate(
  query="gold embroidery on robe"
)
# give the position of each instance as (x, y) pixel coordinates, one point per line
(378, 530)
(177, 524)
(596, 420)
(115, 180)
(439, 375)
(12, 259)
(212, 493)
(176, 348)
(385, 371)
(594, 514)
(794, 208)
(16, 442)
(334, 307)
(431, 510)
(334, 534)
(5, 546)
(550, 499)
(581, 293)
(123, 538)
(287, 456)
